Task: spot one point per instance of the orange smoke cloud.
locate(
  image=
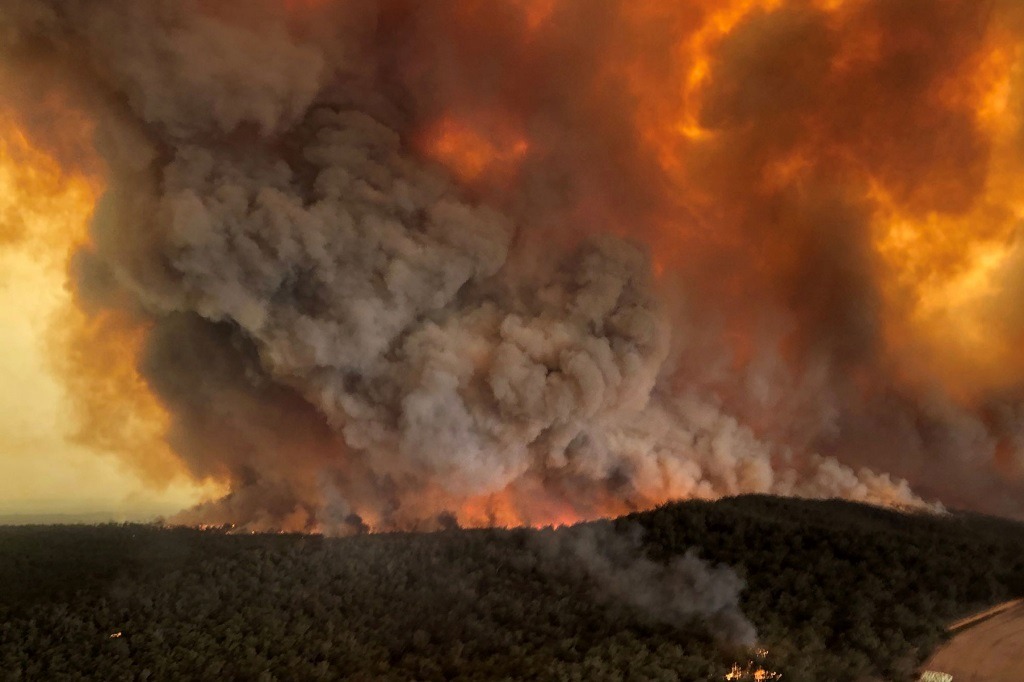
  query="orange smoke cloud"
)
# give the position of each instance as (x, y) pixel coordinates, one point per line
(115, 411)
(837, 182)
(44, 217)
(400, 255)
(35, 188)
(761, 101)
(474, 155)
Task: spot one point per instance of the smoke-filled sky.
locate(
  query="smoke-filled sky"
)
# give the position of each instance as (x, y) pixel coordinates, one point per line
(46, 467)
(384, 263)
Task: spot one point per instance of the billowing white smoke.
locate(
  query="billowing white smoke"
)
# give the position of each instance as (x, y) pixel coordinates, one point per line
(337, 328)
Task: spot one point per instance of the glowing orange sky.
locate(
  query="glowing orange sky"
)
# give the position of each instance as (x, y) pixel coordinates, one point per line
(47, 465)
(945, 259)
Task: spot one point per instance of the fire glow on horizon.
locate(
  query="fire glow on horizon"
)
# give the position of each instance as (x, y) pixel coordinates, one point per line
(825, 195)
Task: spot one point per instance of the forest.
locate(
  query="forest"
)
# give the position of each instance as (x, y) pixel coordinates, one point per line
(811, 590)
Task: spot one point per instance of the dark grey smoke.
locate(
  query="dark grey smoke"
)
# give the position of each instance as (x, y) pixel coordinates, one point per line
(348, 336)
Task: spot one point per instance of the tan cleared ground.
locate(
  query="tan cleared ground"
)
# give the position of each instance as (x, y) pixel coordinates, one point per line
(990, 651)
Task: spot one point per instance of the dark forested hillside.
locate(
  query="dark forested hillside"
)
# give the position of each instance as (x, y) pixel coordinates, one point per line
(843, 591)
(836, 591)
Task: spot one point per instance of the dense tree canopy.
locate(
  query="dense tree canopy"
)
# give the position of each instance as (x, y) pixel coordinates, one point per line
(837, 591)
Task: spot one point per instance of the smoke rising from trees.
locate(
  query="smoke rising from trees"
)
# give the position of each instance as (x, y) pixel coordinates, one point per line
(686, 588)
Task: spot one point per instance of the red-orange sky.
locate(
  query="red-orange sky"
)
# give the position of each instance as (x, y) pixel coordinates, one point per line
(520, 261)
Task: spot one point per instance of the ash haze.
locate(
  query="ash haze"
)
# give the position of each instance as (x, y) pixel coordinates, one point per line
(46, 472)
(378, 264)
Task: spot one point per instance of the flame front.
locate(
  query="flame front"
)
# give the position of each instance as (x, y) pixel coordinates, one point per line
(543, 260)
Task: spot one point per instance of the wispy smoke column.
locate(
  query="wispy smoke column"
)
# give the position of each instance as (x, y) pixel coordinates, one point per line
(683, 590)
(342, 331)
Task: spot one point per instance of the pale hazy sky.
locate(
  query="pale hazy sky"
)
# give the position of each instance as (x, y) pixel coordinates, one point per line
(41, 469)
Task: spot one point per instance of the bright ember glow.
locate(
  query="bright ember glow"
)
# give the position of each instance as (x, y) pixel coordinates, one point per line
(386, 265)
(765, 108)
(472, 154)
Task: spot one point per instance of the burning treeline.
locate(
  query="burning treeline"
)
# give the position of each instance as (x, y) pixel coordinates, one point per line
(395, 263)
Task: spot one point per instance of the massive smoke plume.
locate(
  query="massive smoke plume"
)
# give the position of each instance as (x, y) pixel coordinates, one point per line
(540, 261)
